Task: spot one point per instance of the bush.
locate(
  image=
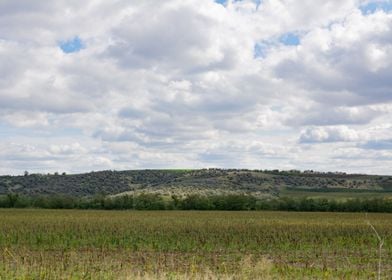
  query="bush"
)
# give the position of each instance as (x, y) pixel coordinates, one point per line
(148, 201)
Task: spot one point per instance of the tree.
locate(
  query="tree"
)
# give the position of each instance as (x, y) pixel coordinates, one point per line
(12, 199)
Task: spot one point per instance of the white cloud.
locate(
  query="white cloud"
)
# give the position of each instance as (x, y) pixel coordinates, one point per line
(177, 84)
(349, 60)
(329, 134)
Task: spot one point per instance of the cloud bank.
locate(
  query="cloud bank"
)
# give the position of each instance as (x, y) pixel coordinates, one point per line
(88, 85)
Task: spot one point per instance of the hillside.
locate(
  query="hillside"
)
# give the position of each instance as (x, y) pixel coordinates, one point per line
(203, 181)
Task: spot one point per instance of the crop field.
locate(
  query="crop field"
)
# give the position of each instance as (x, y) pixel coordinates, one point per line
(81, 244)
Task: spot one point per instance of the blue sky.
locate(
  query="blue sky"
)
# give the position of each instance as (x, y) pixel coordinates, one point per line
(72, 45)
(92, 85)
(372, 7)
(290, 39)
(222, 2)
(262, 48)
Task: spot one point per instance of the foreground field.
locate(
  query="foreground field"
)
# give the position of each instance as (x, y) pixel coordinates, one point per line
(75, 244)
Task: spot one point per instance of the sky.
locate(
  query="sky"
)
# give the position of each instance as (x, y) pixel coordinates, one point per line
(272, 84)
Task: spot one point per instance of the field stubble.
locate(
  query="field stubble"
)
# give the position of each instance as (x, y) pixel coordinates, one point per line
(75, 244)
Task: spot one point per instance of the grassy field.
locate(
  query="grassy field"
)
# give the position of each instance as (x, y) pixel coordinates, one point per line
(76, 244)
(338, 196)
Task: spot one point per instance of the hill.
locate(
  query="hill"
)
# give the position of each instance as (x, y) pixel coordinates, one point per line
(203, 181)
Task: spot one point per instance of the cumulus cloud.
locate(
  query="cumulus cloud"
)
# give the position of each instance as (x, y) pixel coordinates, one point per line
(329, 134)
(138, 84)
(350, 60)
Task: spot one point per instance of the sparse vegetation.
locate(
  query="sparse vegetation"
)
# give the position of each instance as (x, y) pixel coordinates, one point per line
(259, 183)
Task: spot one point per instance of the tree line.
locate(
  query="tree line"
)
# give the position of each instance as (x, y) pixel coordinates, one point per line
(232, 202)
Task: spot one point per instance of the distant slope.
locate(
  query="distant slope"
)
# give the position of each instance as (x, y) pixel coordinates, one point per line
(203, 181)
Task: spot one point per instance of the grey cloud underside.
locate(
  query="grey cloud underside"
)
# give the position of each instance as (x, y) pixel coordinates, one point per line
(177, 84)
(385, 144)
(176, 39)
(329, 115)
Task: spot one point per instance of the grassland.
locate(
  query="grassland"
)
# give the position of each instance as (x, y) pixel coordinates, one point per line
(75, 244)
(335, 195)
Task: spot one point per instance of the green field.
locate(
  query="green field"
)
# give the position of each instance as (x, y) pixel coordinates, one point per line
(342, 195)
(76, 244)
